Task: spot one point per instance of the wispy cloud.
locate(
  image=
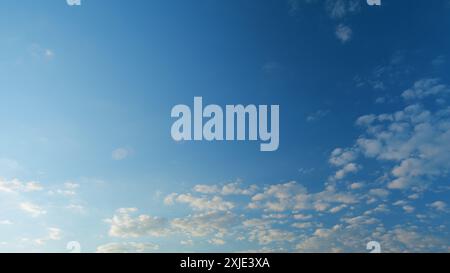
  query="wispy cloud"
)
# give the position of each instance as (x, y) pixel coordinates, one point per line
(127, 247)
(344, 33)
(15, 186)
(425, 88)
(39, 52)
(32, 209)
(121, 153)
(318, 115)
(338, 9)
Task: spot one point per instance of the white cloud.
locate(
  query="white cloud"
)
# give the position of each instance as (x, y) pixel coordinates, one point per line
(227, 189)
(338, 208)
(439, 205)
(360, 220)
(217, 241)
(15, 186)
(216, 203)
(76, 208)
(382, 193)
(54, 234)
(411, 240)
(338, 9)
(286, 226)
(408, 209)
(235, 189)
(341, 157)
(170, 199)
(344, 33)
(278, 197)
(318, 115)
(275, 216)
(39, 52)
(121, 153)
(347, 169)
(410, 148)
(292, 196)
(303, 225)
(424, 88)
(382, 208)
(71, 185)
(265, 236)
(356, 186)
(353, 238)
(212, 223)
(207, 189)
(400, 183)
(400, 203)
(188, 242)
(366, 120)
(413, 142)
(302, 216)
(69, 189)
(204, 224)
(129, 247)
(124, 225)
(370, 147)
(32, 209)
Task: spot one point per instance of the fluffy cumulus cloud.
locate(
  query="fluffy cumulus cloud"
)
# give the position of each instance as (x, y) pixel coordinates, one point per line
(341, 157)
(439, 205)
(293, 196)
(415, 141)
(425, 88)
(344, 159)
(217, 224)
(125, 224)
(347, 238)
(213, 224)
(347, 169)
(215, 203)
(404, 154)
(286, 230)
(412, 145)
(280, 217)
(227, 189)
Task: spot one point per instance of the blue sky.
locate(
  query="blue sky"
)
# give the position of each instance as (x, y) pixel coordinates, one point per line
(86, 153)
